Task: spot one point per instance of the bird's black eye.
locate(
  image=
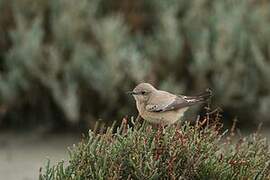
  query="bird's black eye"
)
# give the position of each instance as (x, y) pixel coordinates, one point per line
(143, 92)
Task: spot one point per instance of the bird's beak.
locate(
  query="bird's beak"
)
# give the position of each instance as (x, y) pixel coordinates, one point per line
(132, 93)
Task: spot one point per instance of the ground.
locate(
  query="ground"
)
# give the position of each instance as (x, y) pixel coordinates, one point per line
(22, 154)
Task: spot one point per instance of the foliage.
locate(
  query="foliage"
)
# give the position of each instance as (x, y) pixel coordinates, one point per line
(78, 58)
(173, 152)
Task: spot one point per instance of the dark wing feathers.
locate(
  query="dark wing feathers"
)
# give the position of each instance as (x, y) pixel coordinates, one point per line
(200, 97)
(180, 102)
(176, 103)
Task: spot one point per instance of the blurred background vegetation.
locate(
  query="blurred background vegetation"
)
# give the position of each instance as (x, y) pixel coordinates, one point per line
(66, 63)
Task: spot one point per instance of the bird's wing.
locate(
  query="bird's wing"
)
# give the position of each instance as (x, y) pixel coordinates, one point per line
(161, 101)
(168, 105)
(165, 101)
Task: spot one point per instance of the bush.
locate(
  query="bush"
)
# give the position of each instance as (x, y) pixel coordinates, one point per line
(186, 151)
(78, 58)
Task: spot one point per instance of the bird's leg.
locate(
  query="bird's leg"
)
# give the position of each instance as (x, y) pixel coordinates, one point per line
(155, 126)
(163, 128)
(159, 126)
(138, 118)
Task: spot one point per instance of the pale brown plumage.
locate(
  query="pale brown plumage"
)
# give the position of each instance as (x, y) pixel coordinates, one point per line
(161, 107)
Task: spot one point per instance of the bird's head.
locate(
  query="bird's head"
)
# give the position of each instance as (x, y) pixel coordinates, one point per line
(142, 92)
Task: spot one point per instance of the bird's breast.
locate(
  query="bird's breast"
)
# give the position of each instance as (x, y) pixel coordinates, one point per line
(140, 107)
(168, 117)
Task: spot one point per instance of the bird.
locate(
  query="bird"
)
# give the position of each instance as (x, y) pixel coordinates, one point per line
(162, 107)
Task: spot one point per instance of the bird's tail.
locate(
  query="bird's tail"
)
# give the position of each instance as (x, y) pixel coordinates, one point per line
(205, 95)
(202, 97)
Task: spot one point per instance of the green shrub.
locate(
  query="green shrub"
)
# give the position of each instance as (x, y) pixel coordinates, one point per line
(78, 58)
(186, 151)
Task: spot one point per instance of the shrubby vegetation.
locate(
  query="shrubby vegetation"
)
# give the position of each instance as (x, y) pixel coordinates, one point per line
(200, 151)
(70, 61)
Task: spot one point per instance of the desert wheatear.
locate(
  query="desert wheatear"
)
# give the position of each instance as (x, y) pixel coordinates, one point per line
(161, 107)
